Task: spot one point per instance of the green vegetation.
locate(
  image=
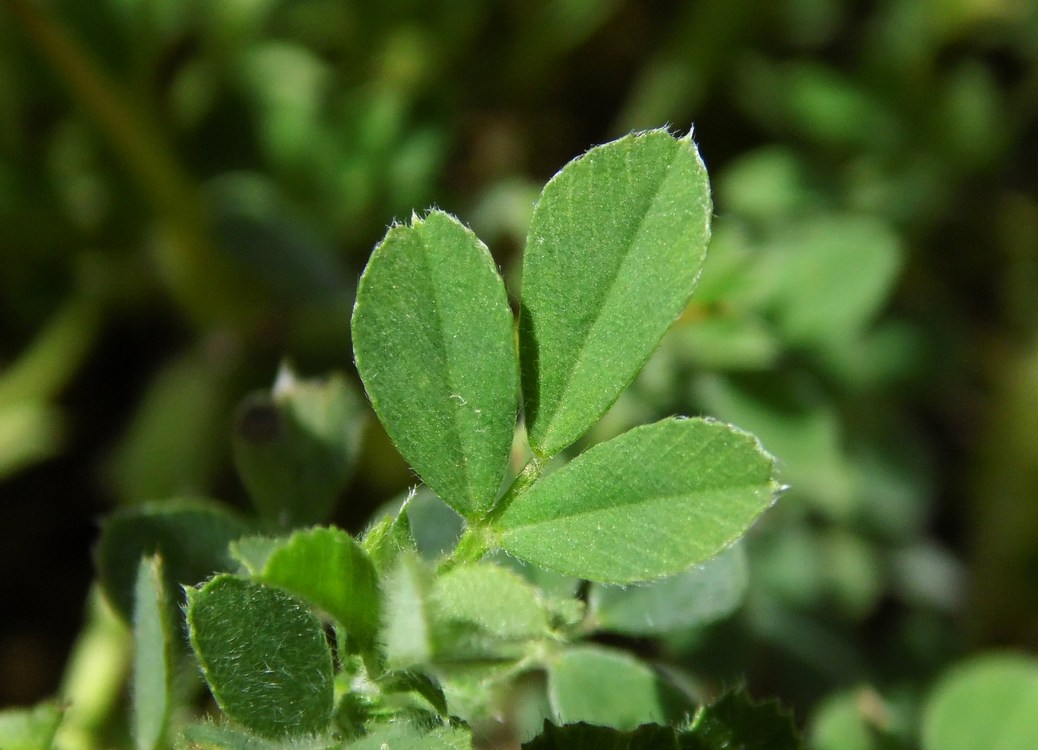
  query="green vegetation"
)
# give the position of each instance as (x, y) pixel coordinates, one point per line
(188, 194)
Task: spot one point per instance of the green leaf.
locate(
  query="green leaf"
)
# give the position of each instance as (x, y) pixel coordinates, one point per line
(415, 683)
(477, 609)
(264, 655)
(176, 437)
(30, 431)
(209, 736)
(765, 185)
(433, 341)
(727, 342)
(478, 686)
(43, 369)
(548, 581)
(583, 736)
(405, 628)
(797, 421)
(616, 244)
(650, 503)
(689, 599)
(95, 675)
(295, 447)
(386, 538)
(191, 536)
(153, 634)
(436, 527)
(737, 721)
(29, 728)
(827, 107)
(407, 736)
(253, 552)
(990, 701)
(850, 720)
(328, 569)
(831, 275)
(601, 686)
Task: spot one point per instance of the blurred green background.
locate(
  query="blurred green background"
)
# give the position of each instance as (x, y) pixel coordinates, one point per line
(189, 190)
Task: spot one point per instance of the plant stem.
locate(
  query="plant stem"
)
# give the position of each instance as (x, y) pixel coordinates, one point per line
(522, 482)
(479, 537)
(474, 543)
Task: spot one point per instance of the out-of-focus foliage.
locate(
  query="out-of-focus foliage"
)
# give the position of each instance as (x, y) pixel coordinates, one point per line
(188, 191)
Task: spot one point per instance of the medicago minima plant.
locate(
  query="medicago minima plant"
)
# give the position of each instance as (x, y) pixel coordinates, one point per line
(309, 637)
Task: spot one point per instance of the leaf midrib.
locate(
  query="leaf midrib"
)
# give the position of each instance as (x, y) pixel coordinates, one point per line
(577, 360)
(436, 305)
(719, 492)
(692, 455)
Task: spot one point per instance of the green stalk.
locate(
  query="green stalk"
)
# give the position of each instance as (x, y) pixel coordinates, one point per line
(522, 482)
(479, 537)
(475, 542)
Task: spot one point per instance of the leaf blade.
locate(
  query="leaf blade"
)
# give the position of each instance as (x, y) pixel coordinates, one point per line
(433, 342)
(191, 535)
(602, 686)
(482, 610)
(616, 244)
(328, 569)
(295, 447)
(30, 728)
(689, 599)
(152, 655)
(649, 503)
(406, 628)
(404, 735)
(987, 701)
(264, 656)
(736, 720)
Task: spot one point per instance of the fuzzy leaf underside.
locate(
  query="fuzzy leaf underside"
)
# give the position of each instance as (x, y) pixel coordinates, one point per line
(483, 611)
(385, 539)
(328, 569)
(408, 737)
(264, 655)
(616, 244)
(406, 635)
(206, 735)
(433, 341)
(647, 504)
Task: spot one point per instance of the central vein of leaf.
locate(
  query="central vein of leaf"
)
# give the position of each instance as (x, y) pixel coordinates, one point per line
(439, 286)
(607, 299)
